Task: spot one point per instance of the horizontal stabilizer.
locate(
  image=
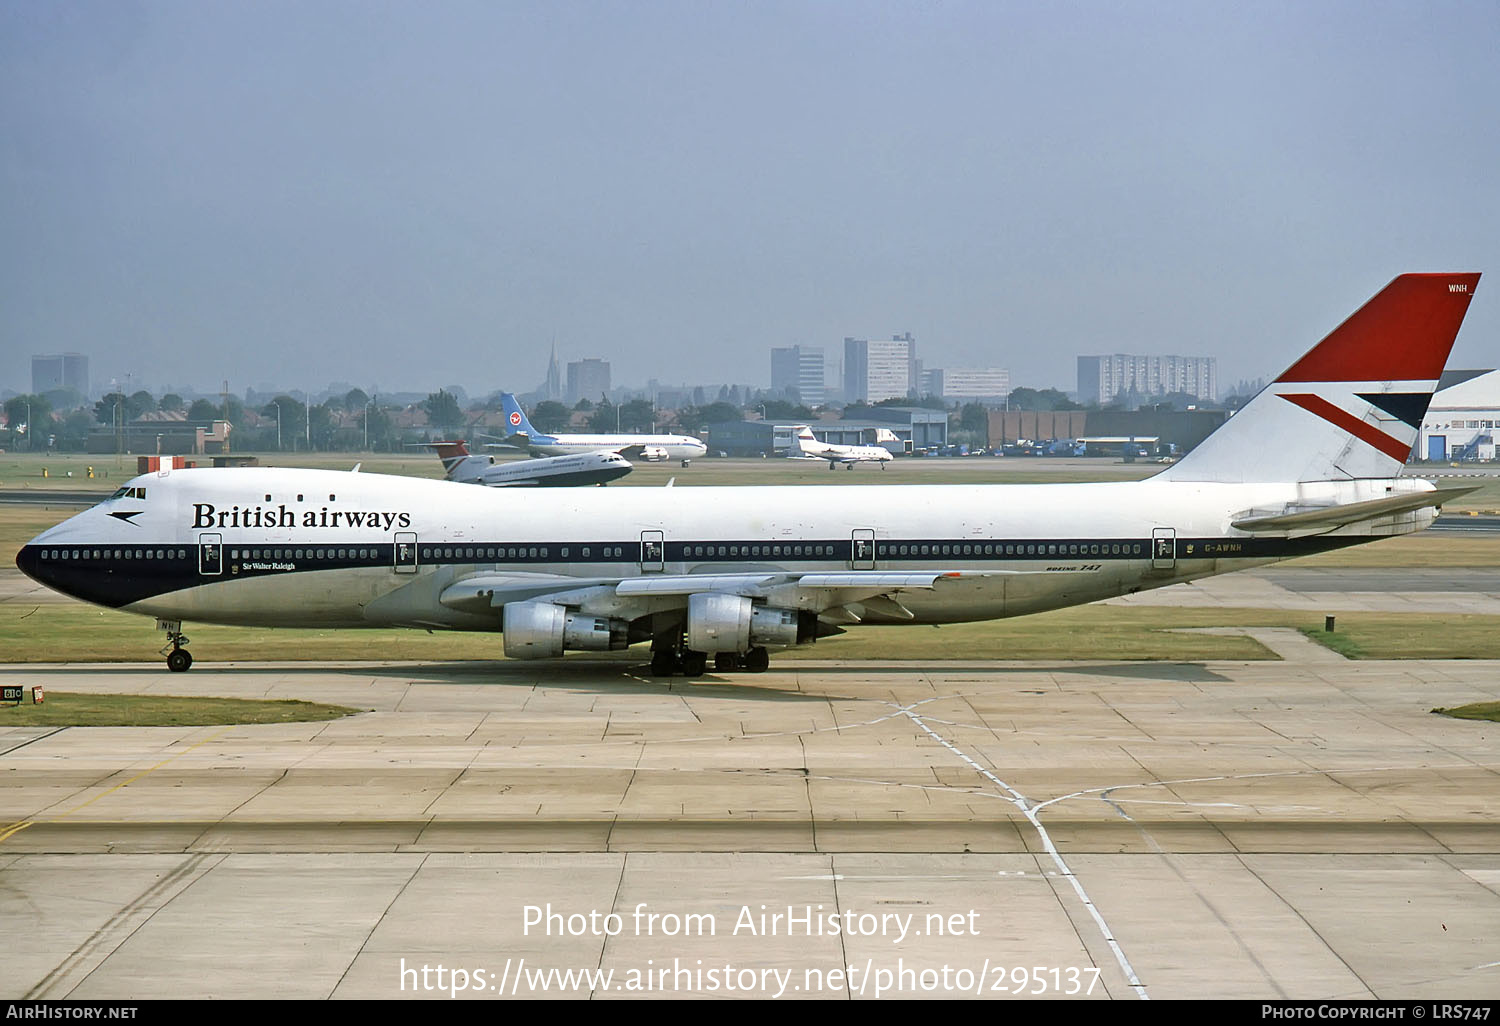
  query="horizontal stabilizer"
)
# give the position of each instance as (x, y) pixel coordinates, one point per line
(1328, 517)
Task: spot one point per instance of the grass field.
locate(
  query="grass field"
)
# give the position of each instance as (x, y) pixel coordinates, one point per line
(1478, 711)
(78, 633)
(73, 710)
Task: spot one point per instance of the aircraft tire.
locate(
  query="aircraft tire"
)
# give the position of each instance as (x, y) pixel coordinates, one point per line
(179, 659)
(726, 660)
(757, 660)
(663, 662)
(694, 663)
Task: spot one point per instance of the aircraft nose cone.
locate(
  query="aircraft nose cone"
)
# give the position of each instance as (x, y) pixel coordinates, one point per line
(28, 561)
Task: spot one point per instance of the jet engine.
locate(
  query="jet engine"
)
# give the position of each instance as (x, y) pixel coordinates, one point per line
(732, 623)
(542, 630)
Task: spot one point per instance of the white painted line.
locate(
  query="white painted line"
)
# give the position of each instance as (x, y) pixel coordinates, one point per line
(1020, 802)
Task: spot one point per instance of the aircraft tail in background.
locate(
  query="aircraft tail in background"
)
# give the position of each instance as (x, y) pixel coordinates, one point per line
(458, 463)
(516, 421)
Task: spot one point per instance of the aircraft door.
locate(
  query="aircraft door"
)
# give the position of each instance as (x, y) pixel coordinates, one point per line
(653, 552)
(405, 554)
(1163, 548)
(862, 549)
(210, 555)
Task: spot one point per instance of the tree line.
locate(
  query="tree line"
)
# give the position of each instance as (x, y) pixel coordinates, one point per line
(358, 421)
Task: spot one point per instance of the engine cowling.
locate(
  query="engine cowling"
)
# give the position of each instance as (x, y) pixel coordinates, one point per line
(732, 623)
(542, 630)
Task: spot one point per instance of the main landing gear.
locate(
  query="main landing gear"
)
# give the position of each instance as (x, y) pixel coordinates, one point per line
(672, 657)
(178, 658)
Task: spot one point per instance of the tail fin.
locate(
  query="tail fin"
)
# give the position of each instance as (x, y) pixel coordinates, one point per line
(516, 422)
(458, 463)
(1353, 405)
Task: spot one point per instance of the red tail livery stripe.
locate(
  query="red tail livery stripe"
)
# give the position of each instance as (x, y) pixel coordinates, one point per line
(1403, 334)
(1365, 432)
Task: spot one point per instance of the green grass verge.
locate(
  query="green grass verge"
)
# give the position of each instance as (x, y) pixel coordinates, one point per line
(74, 633)
(75, 710)
(1477, 711)
(1411, 636)
(1426, 550)
(1149, 633)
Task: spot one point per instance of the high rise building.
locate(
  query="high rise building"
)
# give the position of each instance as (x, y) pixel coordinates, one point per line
(964, 385)
(1101, 379)
(876, 369)
(799, 371)
(588, 379)
(60, 370)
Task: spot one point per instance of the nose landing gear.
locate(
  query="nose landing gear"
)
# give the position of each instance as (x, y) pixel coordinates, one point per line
(178, 658)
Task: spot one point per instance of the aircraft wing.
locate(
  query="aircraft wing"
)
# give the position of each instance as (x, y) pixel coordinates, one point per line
(816, 591)
(1326, 518)
(485, 592)
(756, 585)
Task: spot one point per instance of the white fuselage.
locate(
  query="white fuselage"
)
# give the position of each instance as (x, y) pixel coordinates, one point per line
(677, 447)
(305, 547)
(806, 446)
(555, 471)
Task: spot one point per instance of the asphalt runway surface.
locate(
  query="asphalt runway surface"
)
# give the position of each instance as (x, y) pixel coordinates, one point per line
(1302, 828)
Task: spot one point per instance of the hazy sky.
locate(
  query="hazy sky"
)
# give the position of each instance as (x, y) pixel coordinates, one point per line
(414, 194)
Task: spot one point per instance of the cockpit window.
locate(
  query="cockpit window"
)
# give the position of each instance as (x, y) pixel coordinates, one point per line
(129, 493)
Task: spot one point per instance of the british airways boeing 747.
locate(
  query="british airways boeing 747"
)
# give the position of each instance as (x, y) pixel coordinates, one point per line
(1312, 463)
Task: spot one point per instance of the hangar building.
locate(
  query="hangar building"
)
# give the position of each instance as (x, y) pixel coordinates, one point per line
(1460, 422)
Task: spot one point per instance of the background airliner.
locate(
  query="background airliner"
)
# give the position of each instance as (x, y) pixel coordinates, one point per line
(648, 447)
(806, 446)
(590, 468)
(1311, 464)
